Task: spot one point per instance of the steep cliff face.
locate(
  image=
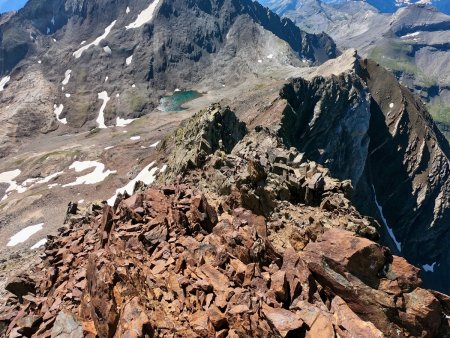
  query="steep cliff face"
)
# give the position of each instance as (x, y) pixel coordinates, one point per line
(409, 169)
(411, 41)
(364, 126)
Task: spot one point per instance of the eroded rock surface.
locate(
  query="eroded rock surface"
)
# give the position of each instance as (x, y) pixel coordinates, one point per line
(252, 241)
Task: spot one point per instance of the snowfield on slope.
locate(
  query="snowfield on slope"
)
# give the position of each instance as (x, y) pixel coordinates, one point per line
(145, 16)
(24, 234)
(147, 176)
(96, 42)
(96, 176)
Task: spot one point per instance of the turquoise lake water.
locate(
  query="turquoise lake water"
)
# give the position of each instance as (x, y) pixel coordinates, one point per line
(174, 102)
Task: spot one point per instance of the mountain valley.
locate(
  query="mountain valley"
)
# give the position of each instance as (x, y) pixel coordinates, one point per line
(206, 168)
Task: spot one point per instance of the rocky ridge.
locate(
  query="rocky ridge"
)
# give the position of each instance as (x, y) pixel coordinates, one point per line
(354, 118)
(210, 251)
(410, 41)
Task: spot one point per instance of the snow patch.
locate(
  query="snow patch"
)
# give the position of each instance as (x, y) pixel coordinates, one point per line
(145, 16)
(390, 231)
(24, 234)
(98, 175)
(67, 77)
(428, 267)
(31, 182)
(270, 56)
(107, 148)
(127, 10)
(67, 95)
(391, 105)
(96, 42)
(3, 82)
(101, 116)
(39, 244)
(135, 138)
(123, 122)
(154, 145)
(58, 110)
(107, 50)
(80, 201)
(128, 60)
(411, 35)
(147, 176)
(8, 178)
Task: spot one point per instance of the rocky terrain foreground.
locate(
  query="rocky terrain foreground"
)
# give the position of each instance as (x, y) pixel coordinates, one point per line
(239, 237)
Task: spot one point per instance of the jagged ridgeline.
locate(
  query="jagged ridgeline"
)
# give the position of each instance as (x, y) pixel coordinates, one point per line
(364, 126)
(268, 211)
(253, 240)
(410, 40)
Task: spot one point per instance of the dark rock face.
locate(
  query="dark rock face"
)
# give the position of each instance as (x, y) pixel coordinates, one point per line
(201, 262)
(346, 98)
(407, 147)
(412, 42)
(363, 126)
(203, 135)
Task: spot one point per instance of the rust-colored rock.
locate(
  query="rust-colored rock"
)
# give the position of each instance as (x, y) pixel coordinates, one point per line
(252, 240)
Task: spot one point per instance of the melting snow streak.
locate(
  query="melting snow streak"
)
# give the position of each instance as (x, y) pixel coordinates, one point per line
(96, 42)
(390, 231)
(101, 116)
(3, 82)
(145, 16)
(147, 176)
(58, 110)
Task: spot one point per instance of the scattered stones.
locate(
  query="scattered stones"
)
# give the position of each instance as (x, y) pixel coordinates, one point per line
(264, 259)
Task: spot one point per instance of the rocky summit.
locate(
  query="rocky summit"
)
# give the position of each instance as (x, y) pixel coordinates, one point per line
(206, 168)
(410, 40)
(240, 237)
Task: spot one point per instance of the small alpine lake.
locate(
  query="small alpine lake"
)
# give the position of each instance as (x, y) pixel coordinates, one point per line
(175, 101)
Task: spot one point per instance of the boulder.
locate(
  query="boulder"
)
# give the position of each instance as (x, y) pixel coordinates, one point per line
(66, 326)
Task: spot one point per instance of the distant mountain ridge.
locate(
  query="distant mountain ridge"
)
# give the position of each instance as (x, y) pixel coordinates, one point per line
(102, 51)
(412, 42)
(385, 6)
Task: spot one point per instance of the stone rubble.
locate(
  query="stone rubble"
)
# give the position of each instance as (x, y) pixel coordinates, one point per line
(252, 241)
